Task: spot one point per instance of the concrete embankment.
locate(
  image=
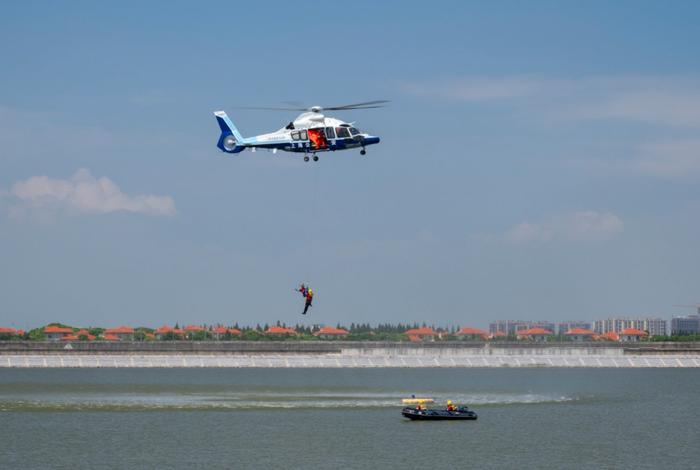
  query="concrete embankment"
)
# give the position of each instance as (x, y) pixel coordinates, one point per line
(237, 354)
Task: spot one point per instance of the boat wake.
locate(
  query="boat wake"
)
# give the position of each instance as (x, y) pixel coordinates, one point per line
(261, 400)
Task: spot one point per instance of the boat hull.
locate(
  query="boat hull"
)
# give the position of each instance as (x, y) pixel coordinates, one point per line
(460, 414)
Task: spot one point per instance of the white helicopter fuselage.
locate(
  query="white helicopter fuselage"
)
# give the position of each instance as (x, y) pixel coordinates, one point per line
(309, 133)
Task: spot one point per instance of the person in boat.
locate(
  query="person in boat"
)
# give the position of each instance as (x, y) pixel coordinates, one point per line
(309, 299)
(450, 406)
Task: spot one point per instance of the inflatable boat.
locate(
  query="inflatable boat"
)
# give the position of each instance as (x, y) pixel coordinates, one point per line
(438, 415)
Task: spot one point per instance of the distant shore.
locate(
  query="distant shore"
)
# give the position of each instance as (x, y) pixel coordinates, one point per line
(338, 354)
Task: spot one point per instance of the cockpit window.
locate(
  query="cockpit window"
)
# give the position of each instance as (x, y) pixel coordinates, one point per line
(342, 132)
(354, 131)
(302, 135)
(295, 135)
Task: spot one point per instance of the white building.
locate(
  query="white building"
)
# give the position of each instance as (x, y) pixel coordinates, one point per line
(653, 326)
(688, 325)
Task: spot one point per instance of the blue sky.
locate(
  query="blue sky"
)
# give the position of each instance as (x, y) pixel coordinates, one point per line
(539, 160)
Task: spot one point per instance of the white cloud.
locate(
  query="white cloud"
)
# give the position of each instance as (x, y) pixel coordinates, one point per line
(677, 108)
(671, 159)
(659, 100)
(577, 226)
(527, 232)
(665, 105)
(86, 194)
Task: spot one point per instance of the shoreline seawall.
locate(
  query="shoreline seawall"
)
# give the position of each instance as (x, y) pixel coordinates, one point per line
(339, 354)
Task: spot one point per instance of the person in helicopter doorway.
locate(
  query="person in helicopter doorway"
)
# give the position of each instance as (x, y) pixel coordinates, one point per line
(309, 299)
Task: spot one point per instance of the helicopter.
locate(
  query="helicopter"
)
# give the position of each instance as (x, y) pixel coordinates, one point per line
(308, 133)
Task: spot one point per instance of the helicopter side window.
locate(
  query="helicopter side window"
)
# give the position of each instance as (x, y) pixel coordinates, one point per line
(330, 133)
(295, 135)
(354, 131)
(303, 135)
(342, 132)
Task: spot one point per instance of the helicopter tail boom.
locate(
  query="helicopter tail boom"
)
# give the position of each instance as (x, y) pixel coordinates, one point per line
(231, 140)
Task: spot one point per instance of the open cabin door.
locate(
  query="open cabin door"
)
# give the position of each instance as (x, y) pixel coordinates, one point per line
(318, 139)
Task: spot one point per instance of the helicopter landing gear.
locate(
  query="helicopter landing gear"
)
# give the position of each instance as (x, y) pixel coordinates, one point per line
(315, 158)
(363, 152)
(306, 158)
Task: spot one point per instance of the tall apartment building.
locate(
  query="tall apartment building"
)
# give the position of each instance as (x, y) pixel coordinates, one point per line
(565, 326)
(511, 327)
(687, 325)
(653, 326)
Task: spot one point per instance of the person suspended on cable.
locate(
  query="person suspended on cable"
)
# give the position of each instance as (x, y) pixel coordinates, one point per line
(302, 290)
(309, 299)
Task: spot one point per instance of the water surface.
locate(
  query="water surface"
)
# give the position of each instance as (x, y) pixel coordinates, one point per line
(331, 418)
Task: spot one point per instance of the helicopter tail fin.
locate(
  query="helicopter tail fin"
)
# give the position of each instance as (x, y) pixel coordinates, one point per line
(227, 126)
(230, 140)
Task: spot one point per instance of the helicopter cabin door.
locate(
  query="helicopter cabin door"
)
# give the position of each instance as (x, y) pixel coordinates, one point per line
(318, 139)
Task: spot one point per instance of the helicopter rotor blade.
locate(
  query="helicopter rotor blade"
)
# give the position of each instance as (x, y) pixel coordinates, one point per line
(347, 107)
(350, 109)
(262, 108)
(365, 105)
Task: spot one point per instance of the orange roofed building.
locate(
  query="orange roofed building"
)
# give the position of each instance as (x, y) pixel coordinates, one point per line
(609, 336)
(221, 331)
(632, 335)
(11, 332)
(579, 335)
(422, 334)
(280, 331)
(84, 334)
(56, 333)
(538, 335)
(328, 332)
(471, 334)
(121, 333)
(190, 330)
(165, 330)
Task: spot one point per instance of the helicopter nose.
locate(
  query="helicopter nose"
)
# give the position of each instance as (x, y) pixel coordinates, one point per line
(371, 139)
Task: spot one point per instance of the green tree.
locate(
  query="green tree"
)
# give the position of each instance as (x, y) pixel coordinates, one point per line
(96, 331)
(37, 334)
(252, 335)
(199, 335)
